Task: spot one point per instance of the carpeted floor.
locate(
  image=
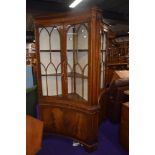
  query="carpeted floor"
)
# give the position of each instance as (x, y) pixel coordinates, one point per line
(108, 143)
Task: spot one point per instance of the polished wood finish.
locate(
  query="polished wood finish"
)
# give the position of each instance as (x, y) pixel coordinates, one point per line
(124, 126)
(34, 132)
(69, 114)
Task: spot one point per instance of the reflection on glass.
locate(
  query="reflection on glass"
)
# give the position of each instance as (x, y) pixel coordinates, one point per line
(103, 51)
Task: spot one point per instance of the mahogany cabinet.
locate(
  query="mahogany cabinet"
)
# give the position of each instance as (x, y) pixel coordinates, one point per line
(71, 53)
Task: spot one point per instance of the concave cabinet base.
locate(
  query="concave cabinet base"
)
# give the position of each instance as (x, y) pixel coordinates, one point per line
(76, 123)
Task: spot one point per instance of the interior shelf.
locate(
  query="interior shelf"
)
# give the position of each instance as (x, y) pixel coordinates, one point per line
(71, 74)
(58, 74)
(78, 50)
(77, 75)
(75, 97)
(69, 50)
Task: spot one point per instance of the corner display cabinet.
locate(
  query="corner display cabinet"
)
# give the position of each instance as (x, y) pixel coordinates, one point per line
(71, 51)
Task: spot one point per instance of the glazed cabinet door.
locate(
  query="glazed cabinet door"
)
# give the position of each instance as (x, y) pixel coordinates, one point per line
(77, 60)
(50, 60)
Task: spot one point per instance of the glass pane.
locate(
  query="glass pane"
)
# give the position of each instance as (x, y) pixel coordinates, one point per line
(82, 60)
(103, 52)
(85, 70)
(59, 85)
(44, 38)
(85, 89)
(56, 58)
(55, 39)
(44, 60)
(70, 38)
(43, 69)
(54, 85)
(101, 72)
(70, 85)
(51, 69)
(44, 87)
(82, 37)
(79, 86)
(51, 81)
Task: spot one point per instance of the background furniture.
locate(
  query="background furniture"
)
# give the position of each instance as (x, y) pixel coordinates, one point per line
(117, 56)
(102, 101)
(71, 54)
(116, 97)
(111, 68)
(120, 74)
(34, 131)
(124, 126)
(111, 98)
